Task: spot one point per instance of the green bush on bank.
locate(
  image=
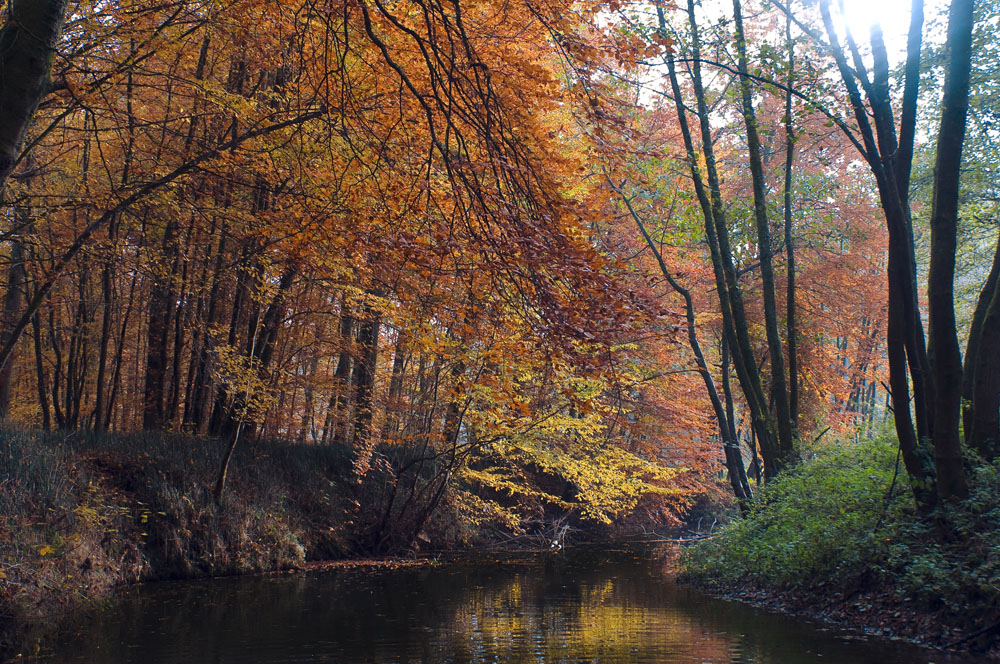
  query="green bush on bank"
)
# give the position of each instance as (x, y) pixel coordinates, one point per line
(815, 523)
(829, 525)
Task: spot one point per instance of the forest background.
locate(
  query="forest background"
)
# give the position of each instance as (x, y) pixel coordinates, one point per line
(366, 277)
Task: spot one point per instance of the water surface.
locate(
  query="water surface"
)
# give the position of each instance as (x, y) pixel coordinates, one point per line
(608, 606)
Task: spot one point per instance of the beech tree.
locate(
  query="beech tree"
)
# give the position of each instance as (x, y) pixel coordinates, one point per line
(28, 41)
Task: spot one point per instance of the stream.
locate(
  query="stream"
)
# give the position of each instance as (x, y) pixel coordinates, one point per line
(578, 605)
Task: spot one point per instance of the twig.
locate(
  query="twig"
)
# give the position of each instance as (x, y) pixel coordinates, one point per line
(984, 630)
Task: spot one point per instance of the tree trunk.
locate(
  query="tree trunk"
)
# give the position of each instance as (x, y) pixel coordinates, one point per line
(120, 353)
(307, 428)
(779, 389)
(340, 399)
(364, 375)
(13, 302)
(200, 410)
(394, 403)
(982, 428)
(107, 300)
(28, 42)
(791, 333)
(43, 394)
(972, 351)
(945, 359)
(157, 336)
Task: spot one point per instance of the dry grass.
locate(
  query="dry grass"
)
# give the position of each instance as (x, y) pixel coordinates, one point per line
(83, 514)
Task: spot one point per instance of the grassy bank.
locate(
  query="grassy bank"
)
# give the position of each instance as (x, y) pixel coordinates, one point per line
(837, 538)
(83, 514)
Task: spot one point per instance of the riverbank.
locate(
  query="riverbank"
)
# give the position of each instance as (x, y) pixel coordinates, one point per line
(85, 514)
(837, 540)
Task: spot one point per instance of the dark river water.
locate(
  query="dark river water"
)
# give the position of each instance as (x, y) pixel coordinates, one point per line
(603, 605)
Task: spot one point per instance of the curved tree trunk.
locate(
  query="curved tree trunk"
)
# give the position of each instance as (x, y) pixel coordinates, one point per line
(27, 46)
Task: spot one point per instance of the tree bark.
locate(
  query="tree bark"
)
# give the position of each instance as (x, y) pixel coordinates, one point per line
(364, 375)
(982, 428)
(945, 358)
(791, 333)
(43, 390)
(28, 42)
(779, 384)
(157, 336)
(13, 302)
(340, 398)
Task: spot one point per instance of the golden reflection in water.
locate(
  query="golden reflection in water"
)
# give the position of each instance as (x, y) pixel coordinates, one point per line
(611, 607)
(599, 622)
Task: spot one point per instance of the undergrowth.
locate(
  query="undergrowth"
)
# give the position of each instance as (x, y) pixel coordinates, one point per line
(842, 524)
(82, 513)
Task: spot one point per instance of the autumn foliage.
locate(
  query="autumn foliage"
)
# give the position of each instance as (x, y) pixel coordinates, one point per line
(399, 228)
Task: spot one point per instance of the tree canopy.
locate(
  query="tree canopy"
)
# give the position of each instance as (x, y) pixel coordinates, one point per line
(519, 258)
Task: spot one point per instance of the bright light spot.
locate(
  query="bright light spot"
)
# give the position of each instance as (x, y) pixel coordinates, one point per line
(893, 16)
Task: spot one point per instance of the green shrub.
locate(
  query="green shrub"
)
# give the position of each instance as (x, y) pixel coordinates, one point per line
(823, 521)
(826, 523)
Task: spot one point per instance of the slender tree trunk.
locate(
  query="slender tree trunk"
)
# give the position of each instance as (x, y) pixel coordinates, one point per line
(219, 417)
(791, 334)
(107, 300)
(107, 271)
(779, 384)
(120, 354)
(364, 375)
(13, 302)
(158, 335)
(307, 428)
(946, 360)
(56, 345)
(200, 410)
(43, 394)
(394, 403)
(182, 315)
(340, 399)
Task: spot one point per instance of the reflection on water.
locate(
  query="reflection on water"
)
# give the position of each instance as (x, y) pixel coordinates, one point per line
(573, 606)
